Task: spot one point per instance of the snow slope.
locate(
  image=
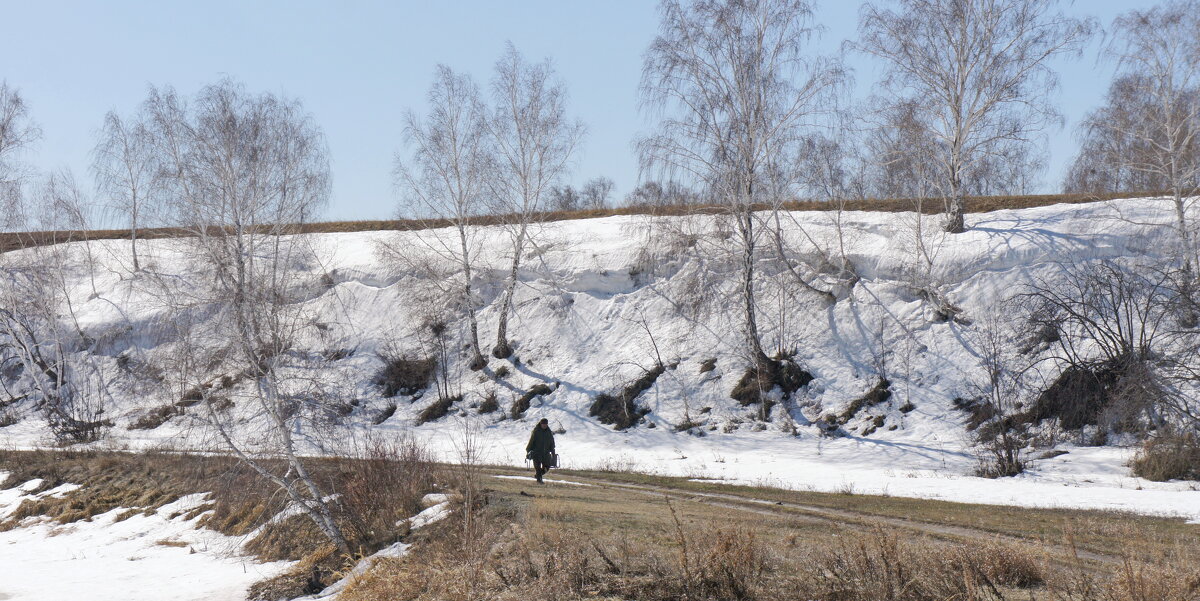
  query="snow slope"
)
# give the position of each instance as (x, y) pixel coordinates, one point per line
(603, 299)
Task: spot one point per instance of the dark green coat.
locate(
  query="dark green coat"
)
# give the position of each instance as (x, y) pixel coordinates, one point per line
(541, 444)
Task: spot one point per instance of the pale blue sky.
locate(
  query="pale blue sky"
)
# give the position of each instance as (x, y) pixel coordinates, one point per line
(357, 65)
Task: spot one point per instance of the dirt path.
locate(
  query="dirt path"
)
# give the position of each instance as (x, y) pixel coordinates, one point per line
(800, 511)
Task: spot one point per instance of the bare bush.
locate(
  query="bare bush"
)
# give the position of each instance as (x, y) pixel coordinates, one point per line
(1112, 329)
(1170, 454)
(404, 375)
(382, 484)
(42, 342)
(1001, 393)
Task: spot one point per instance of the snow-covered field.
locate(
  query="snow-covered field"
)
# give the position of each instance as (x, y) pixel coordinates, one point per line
(603, 299)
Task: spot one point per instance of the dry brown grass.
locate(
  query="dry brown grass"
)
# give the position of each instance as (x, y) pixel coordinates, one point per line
(574, 543)
(1094, 531)
(110, 481)
(882, 565)
(310, 575)
(551, 548)
(1169, 455)
(1173, 579)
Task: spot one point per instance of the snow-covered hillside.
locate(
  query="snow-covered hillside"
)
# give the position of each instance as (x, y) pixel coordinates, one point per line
(604, 300)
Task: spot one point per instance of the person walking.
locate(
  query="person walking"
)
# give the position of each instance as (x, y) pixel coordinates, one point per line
(541, 449)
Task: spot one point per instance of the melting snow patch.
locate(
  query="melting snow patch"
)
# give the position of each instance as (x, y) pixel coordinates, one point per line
(12, 498)
(61, 491)
(183, 504)
(430, 515)
(530, 478)
(432, 499)
(31, 486)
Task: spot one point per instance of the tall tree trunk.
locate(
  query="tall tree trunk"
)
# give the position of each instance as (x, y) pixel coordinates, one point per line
(133, 246)
(955, 224)
(1185, 236)
(502, 349)
(477, 360)
(133, 230)
(754, 345)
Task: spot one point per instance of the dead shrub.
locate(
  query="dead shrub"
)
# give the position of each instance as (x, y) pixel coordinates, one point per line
(1077, 397)
(978, 411)
(9, 417)
(521, 405)
(881, 565)
(404, 375)
(755, 384)
(290, 539)
(621, 411)
(489, 404)
(437, 409)
(1173, 454)
(879, 393)
(384, 414)
(156, 417)
(383, 485)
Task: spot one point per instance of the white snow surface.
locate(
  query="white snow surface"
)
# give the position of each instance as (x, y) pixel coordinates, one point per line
(429, 515)
(595, 310)
(106, 560)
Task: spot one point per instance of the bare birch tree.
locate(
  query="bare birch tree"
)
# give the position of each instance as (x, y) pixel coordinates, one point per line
(595, 193)
(1147, 136)
(738, 94)
(17, 132)
(40, 333)
(446, 180)
(241, 171)
(534, 141)
(125, 172)
(1108, 148)
(980, 68)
